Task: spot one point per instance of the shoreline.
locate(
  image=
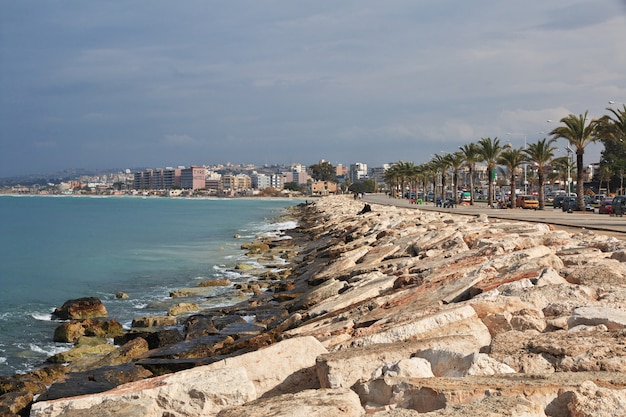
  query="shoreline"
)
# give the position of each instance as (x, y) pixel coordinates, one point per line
(210, 257)
(378, 299)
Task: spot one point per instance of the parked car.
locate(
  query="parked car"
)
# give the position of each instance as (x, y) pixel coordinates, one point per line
(558, 199)
(527, 202)
(571, 204)
(606, 206)
(619, 205)
(598, 198)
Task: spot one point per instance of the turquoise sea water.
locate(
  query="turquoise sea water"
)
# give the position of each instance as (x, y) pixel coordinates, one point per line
(53, 249)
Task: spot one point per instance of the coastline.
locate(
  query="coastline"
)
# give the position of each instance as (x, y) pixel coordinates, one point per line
(51, 247)
(377, 299)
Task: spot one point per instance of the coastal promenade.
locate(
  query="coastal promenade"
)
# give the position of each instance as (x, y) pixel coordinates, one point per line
(614, 226)
(392, 312)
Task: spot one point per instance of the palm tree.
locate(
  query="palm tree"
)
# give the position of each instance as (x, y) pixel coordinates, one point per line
(397, 176)
(579, 134)
(391, 178)
(605, 174)
(406, 171)
(563, 165)
(612, 127)
(455, 160)
(441, 164)
(512, 159)
(541, 153)
(490, 150)
(611, 131)
(471, 154)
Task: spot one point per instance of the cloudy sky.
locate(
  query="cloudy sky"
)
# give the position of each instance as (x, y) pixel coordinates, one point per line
(155, 83)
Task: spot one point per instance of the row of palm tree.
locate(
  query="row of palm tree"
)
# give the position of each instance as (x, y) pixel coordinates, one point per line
(577, 130)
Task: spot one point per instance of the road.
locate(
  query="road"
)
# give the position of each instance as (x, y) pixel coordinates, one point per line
(602, 223)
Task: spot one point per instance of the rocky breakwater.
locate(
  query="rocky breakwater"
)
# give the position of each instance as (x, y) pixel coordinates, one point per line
(399, 312)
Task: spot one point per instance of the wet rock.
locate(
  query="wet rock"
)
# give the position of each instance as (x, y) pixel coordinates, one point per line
(182, 308)
(14, 403)
(95, 381)
(80, 308)
(255, 248)
(154, 321)
(70, 332)
(215, 283)
(123, 354)
(156, 339)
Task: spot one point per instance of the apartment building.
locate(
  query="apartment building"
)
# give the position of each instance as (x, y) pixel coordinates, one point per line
(193, 178)
(378, 173)
(357, 172)
(321, 188)
(239, 182)
(260, 181)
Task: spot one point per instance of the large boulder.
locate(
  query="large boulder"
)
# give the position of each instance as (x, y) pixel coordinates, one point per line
(80, 308)
(309, 403)
(71, 331)
(286, 367)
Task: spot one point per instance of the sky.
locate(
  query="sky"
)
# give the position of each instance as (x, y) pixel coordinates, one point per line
(155, 83)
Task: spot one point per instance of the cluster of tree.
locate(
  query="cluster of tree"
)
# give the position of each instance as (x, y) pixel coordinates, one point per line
(324, 171)
(579, 131)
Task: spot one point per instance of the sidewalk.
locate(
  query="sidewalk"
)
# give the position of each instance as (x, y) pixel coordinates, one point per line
(582, 220)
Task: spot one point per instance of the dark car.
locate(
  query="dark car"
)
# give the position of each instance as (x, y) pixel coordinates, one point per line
(571, 204)
(619, 205)
(558, 201)
(606, 206)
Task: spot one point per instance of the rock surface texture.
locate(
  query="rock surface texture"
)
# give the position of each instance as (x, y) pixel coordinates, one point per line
(397, 312)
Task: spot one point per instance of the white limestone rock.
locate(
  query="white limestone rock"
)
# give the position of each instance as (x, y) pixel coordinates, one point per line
(594, 316)
(340, 402)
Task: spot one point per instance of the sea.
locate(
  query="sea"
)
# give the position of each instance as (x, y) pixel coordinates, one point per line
(58, 248)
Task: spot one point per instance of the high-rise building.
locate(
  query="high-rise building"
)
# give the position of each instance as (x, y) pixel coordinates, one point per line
(357, 172)
(260, 181)
(193, 178)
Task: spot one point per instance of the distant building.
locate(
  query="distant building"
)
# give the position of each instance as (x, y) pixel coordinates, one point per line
(276, 181)
(172, 178)
(321, 188)
(378, 173)
(341, 171)
(357, 172)
(260, 181)
(193, 178)
(236, 183)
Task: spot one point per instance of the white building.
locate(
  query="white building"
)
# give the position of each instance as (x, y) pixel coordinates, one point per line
(357, 172)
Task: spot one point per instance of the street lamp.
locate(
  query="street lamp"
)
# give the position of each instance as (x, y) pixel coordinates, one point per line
(569, 165)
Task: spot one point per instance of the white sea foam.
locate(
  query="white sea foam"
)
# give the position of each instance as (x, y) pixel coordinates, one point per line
(41, 316)
(49, 349)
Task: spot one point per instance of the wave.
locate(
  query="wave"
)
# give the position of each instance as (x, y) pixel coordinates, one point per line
(41, 316)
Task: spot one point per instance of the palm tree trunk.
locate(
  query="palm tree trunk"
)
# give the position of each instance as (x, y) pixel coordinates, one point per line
(513, 202)
(542, 192)
(580, 186)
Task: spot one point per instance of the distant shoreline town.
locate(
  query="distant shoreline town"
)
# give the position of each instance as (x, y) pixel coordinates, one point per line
(228, 180)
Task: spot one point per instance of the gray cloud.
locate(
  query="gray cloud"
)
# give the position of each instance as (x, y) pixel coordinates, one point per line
(109, 84)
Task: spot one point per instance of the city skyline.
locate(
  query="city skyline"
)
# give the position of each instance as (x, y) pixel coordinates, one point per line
(100, 84)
